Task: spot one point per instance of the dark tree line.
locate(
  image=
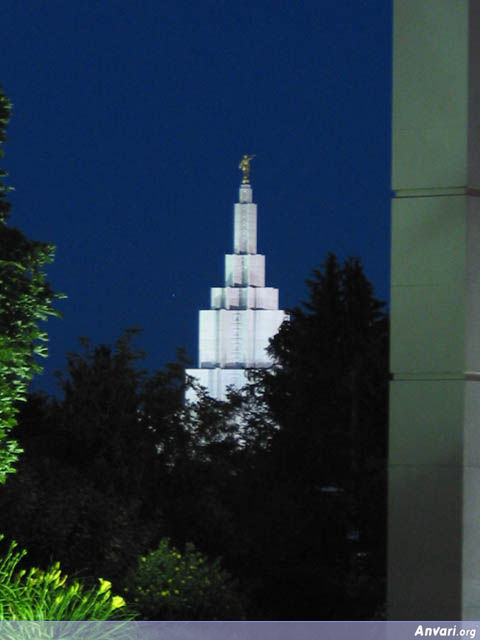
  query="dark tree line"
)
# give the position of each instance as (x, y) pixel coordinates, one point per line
(295, 506)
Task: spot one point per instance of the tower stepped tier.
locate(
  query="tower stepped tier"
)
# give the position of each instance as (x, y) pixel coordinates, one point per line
(235, 332)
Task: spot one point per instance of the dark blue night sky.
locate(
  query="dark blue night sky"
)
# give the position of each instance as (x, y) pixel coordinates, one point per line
(128, 124)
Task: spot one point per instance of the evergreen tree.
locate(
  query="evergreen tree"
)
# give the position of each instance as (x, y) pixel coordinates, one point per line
(328, 390)
(323, 504)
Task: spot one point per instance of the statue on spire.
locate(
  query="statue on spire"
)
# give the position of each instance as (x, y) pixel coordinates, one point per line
(245, 167)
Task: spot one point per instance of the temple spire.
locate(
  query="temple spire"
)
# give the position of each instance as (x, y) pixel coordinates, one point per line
(234, 333)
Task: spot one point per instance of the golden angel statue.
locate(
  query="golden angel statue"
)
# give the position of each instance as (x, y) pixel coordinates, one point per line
(245, 167)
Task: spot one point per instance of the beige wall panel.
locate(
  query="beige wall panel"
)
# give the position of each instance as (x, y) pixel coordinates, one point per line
(471, 452)
(474, 96)
(428, 240)
(440, 158)
(473, 240)
(472, 333)
(430, 94)
(432, 410)
(427, 329)
(424, 567)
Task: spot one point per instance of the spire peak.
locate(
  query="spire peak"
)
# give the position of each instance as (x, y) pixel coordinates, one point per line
(245, 194)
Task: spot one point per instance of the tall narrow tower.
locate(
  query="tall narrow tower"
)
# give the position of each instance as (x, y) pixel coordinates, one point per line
(244, 314)
(434, 467)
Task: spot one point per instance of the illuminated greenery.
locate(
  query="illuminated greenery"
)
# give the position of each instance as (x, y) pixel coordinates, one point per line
(49, 595)
(169, 585)
(25, 299)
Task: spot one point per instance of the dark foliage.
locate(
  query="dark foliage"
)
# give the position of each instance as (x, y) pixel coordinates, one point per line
(328, 394)
(86, 493)
(284, 482)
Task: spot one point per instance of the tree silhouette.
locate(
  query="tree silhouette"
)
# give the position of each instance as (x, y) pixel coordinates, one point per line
(324, 497)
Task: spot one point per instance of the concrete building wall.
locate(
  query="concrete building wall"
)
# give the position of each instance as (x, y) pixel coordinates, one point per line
(243, 298)
(244, 270)
(434, 473)
(237, 338)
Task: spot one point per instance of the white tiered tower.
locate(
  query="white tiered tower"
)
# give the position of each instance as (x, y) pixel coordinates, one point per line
(243, 315)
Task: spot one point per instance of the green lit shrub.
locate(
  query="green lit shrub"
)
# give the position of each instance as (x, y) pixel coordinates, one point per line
(49, 595)
(25, 300)
(169, 585)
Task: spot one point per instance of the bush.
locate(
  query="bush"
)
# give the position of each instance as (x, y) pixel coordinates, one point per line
(169, 585)
(48, 595)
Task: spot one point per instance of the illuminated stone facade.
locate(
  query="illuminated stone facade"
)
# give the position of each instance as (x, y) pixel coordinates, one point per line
(243, 314)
